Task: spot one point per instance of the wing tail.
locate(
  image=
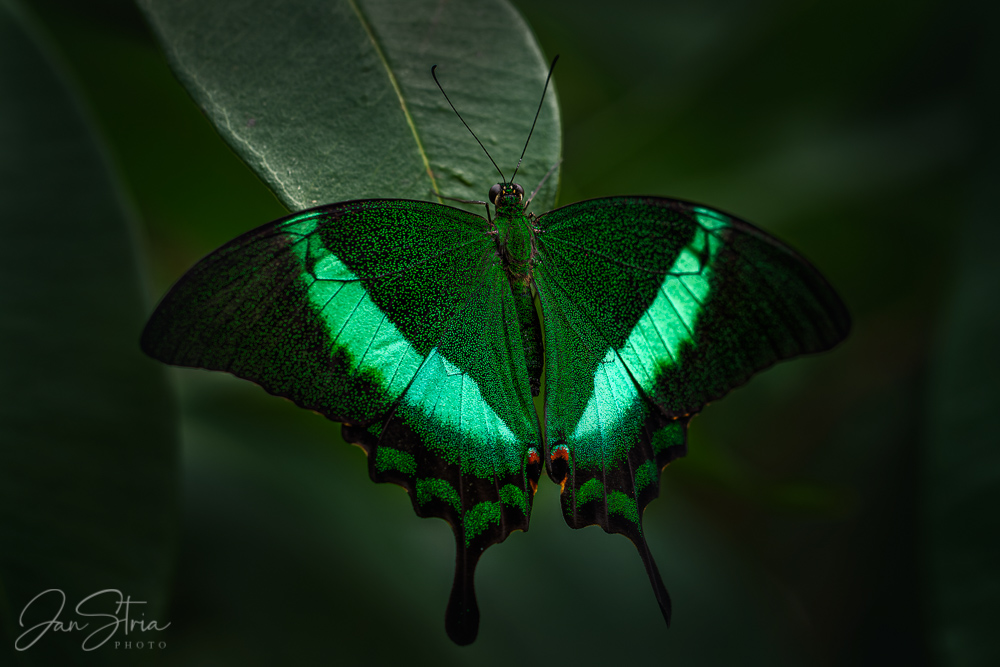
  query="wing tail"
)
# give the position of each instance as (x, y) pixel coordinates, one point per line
(659, 590)
(462, 617)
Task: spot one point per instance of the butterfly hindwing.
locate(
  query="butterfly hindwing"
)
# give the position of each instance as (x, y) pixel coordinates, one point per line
(470, 467)
(395, 318)
(652, 308)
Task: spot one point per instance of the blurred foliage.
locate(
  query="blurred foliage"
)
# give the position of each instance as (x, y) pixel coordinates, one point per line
(961, 463)
(838, 510)
(88, 437)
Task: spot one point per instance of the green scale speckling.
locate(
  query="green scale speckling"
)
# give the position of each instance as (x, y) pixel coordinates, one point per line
(414, 324)
(425, 343)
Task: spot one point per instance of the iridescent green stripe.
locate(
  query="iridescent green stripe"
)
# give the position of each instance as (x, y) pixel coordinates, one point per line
(456, 423)
(350, 317)
(446, 405)
(645, 475)
(618, 502)
(669, 323)
(670, 435)
(430, 488)
(388, 458)
(621, 504)
(514, 497)
(479, 518)
(590, 491)
(608, 427)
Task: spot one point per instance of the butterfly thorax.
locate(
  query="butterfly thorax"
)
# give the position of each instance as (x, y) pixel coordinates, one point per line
(515, 235)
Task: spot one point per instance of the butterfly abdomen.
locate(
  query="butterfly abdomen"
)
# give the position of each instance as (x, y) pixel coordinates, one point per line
(531, 333)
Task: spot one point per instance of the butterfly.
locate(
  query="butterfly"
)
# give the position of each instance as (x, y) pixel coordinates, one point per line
(415, 324)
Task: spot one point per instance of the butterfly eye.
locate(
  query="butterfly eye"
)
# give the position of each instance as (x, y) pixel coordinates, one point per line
(519, 190)
(494, 193)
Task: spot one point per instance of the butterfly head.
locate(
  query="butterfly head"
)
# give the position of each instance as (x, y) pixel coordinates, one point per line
(506, 194)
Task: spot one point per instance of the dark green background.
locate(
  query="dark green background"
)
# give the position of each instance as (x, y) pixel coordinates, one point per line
(838, 510)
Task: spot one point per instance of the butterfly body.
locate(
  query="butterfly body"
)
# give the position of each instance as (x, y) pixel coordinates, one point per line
(514, 233)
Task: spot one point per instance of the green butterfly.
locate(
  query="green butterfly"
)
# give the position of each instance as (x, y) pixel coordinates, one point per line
(415, 324)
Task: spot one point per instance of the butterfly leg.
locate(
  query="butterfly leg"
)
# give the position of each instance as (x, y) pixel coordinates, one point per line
(465, 201)
(531, 221)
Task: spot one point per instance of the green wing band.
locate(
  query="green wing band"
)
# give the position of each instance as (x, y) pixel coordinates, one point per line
(396, 318)
(654, 307)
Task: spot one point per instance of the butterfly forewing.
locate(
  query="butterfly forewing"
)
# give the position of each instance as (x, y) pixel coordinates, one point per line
(396, 318)
(654, 307)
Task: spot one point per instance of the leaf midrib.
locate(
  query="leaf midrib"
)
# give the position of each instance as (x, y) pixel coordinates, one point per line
(399, 93)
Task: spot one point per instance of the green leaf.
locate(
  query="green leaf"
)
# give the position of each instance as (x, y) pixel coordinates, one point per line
(330, 101)
(88, 458)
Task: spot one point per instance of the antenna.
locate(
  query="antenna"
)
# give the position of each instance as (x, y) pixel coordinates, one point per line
(551, 67)
(502, 178)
